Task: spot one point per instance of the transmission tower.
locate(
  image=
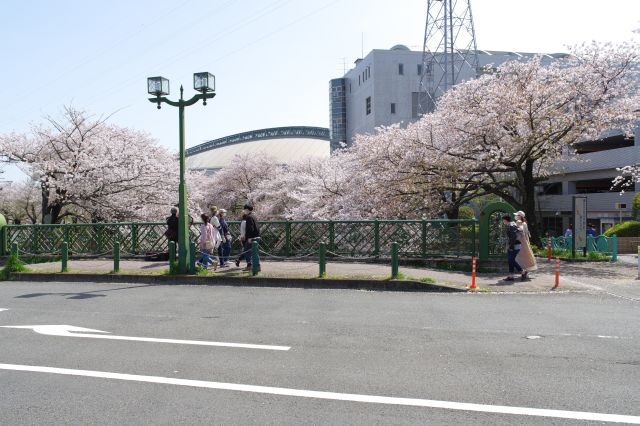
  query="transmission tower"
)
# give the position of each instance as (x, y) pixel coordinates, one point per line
(449, 53)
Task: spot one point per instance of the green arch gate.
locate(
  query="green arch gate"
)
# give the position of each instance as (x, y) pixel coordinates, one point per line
(492, 239)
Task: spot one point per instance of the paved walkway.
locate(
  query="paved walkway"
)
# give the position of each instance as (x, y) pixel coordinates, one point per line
(613, 278)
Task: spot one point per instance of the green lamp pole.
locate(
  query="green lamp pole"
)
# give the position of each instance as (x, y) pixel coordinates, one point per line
(205, 83)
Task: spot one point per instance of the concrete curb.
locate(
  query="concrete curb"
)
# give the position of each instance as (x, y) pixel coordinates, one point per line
(307, 283)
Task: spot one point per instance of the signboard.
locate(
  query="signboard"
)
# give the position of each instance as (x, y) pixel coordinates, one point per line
(579, 224)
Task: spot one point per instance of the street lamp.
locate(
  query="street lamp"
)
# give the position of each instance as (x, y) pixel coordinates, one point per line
(203, 82)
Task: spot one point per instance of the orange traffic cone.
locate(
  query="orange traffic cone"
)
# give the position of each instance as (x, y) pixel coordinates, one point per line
(473, 274)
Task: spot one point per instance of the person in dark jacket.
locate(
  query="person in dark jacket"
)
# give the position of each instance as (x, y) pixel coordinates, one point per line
(172, 226)
(225, 247)
(513, 246)
(252, 232)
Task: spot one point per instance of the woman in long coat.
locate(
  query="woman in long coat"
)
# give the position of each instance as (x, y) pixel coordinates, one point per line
(525, 257)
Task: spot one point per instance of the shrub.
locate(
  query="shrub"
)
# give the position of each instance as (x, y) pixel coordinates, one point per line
(635, 207)
(14, 264)
(630, 228)
(466, 212)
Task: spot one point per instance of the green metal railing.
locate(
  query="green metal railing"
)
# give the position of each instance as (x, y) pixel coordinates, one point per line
(356, 238)
(599, 244)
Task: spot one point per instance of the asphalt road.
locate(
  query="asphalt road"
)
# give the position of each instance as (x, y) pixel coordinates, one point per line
(576, 352)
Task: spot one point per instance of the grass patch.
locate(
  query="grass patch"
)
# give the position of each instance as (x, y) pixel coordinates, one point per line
(14, 264)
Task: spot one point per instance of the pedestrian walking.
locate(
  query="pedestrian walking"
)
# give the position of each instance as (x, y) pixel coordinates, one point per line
(513, 246)
(568, 233)
(225, 246)
(243, 228)
(525, 258)
(252, 232)
(172, 226)
(209, 241)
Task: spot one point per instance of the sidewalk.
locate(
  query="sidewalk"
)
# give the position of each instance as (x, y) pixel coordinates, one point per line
(613, 278)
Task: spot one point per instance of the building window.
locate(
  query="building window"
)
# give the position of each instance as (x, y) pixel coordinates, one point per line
(401, 69)
(367, 105)
(393, 108)
(419, 69)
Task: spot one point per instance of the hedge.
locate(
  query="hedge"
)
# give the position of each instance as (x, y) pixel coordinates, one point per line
(630, 228)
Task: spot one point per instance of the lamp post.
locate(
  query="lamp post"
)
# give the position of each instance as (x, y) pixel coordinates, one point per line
(205, 83)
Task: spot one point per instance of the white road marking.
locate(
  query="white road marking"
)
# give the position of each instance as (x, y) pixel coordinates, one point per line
(66, 331)
(449, 405)
(3, 309)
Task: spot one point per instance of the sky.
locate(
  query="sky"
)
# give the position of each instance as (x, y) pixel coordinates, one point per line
(272, 59)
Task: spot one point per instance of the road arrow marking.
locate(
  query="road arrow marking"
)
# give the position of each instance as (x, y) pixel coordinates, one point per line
(350, 397)
(73, 331)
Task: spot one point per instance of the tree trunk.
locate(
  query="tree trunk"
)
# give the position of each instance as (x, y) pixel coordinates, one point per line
(529, 203)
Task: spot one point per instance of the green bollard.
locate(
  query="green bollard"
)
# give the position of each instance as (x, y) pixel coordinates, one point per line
(116, 257)
(323, 260)
(65, 256)
(172, 253)
(14, 250)
(614, 248)
(394, 260)
(192, 258)
(255, 260)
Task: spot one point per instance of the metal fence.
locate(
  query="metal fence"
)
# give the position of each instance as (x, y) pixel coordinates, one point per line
(600, 244)
(363, 238)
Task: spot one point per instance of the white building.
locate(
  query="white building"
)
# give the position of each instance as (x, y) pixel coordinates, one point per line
(286, 144)
(591, 176)
(383, 89)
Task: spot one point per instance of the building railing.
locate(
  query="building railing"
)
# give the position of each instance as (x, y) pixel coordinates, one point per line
(363, 238)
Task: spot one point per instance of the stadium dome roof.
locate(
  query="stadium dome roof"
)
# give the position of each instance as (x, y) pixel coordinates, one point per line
(286, 144)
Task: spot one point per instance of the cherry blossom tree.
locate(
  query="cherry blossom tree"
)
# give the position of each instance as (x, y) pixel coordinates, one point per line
(94, 170)
(21, 201)
(512, 126)
(236, 184)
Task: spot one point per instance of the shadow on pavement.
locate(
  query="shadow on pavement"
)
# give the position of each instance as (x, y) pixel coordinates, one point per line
(79, 296)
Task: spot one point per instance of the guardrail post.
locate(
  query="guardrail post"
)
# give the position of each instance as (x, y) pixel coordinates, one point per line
(172, 252)
(614, 248)
(134, 238)
(332, 236)
(116, 257)
(66, 237)
(255, 265)
(192, 257)
(423, 241)
(65, 256)
(323, 260)
(394, 260)
(99, 239)
(34, 239)
(376, 237)
(287, 239)
(3, 241)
